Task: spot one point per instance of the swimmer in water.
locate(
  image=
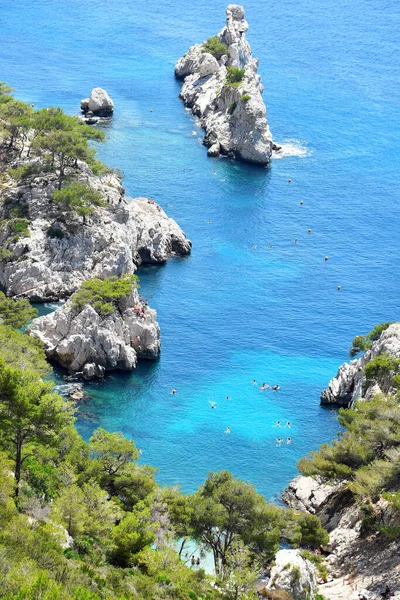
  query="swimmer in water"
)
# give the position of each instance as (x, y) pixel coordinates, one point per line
(212, 404)
(288, 424)
(254, 382)
(264, 386)
(288, 441)
(275, 388)
(173, 391)
(228, 430)
(277, 424)
(227, 398)
(279, 441)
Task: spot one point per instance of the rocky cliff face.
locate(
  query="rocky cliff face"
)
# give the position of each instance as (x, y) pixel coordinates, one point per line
(364, 560)
(58, 251)
(87, 344)
(350, 382)
(233, 116)
(294, 574)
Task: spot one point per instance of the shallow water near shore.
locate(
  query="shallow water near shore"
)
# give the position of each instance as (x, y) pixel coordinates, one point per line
(231, 313)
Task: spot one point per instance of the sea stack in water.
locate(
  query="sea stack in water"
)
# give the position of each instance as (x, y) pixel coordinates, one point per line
(99, 104)
(222, 87)
(89, 341)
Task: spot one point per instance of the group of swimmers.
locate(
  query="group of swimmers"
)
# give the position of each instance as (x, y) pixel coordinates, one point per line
(265, 386)
(280, 440)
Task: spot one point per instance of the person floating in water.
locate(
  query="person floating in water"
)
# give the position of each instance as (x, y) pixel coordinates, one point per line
(173, 391)
(279, 441)
(212, 404)
(228, 430)
(227, 397)
(264, 386)
(277, 424)
(254, 382)
(289, 440)
(275, 388)
(288, 424)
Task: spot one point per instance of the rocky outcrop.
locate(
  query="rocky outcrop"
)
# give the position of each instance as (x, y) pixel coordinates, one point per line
(350, 382)
(88, 344)
(294, 574)
(233, 116)
(58, 250)
(99, 103)
(367, 560)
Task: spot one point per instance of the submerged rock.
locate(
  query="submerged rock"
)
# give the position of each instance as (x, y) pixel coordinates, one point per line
(87, 343)
(350, 382)
(99, 103)
(232, 114)
(58, 251)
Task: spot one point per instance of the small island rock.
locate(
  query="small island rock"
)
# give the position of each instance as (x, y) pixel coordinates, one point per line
(233, 114)
(99, 103)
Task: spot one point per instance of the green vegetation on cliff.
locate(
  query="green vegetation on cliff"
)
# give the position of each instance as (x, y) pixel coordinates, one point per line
(363, 342)
(47, 140)
(79, 198)
(215, 47)
(367, 454)
(104, 294)
(16, 313)
(234, 76)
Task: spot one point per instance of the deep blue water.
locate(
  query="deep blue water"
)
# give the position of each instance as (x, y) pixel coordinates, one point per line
(228, 313)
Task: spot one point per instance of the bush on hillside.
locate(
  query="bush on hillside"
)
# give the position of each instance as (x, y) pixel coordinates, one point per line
(215, 47)
(103, 294)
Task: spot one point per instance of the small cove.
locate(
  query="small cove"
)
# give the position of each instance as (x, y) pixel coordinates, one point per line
(229, 313)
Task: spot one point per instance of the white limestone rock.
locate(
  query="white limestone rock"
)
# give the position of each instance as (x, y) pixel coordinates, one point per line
(294, 574)
(349, 383)
(114, 240)
(234, 117)
(84, 342)
(99, 103)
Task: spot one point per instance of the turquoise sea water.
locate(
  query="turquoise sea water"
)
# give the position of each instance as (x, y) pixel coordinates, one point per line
(228, 313)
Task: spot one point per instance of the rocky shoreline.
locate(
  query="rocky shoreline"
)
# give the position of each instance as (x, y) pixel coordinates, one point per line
(223, 89)
(359, 557)
(54, 257)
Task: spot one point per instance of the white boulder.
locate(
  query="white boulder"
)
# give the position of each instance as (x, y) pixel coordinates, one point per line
(294, 574)
(99, 103)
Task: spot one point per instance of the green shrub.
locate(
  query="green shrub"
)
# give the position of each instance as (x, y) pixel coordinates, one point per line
(215, 47)
(380, 366)
(19, 226)
(363, 342)
(232, 108)
(234, 76)
(78, 198)
(6, 255)
(245, 98)
(317, 560)
(16, 313)
(28, 170)
(103, 294)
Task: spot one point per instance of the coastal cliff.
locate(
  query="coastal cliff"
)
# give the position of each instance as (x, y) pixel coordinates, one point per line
(353, 381)
(55, 252)
(222, 87)
(352, 485)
